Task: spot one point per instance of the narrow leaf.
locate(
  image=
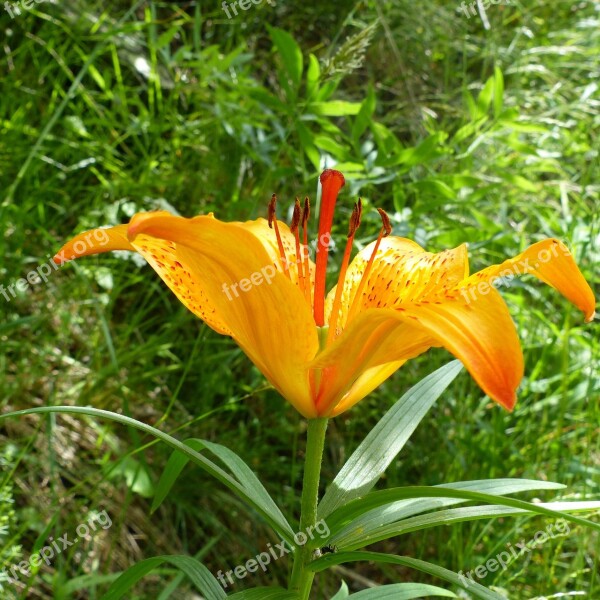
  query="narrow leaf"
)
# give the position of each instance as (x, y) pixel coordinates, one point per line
(199, 575)
(386, 506)
(485, 97)
(335, 108)
(476, 589)
(364, 116)
(402, 591)
(498, 92)
(386, 439)
(237, 467)
(313, 74)
(359, 539)
(291, 55)
(342, 593)
(285, 532)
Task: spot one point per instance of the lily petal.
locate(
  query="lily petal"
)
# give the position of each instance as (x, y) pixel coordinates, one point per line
(367, 381)
(480, 333)
(163, 258)
(261, 230)
(268, 317)
(550, 261)
(401, 272)
(94, 241)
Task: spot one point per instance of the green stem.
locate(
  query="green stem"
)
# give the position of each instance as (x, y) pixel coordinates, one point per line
(302, 578)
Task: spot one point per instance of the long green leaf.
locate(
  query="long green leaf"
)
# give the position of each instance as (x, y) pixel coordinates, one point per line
(282, 528)
(200, 576)
(386, 506)
(238, 468)
(402, 591)
(386, 439)
(365, 115)
(476, 589)
(358, 538)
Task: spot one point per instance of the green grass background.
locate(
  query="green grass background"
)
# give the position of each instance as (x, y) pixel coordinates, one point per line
(484, 130)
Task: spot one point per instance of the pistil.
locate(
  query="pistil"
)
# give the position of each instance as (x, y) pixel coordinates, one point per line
(331, 182)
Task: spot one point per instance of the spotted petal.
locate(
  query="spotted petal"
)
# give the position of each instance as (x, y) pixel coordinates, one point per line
(402, 272)
(163, 258)
(265, 312)
(481, 334)
(260, 229)
(224, 274)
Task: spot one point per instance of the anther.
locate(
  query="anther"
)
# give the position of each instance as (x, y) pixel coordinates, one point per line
(296, 216)
(385, 222)
(386, 229)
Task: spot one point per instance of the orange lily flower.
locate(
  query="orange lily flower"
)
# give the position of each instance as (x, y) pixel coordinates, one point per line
(254, 281)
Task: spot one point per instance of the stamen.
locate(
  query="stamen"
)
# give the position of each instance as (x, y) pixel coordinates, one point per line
(305, 255)
(271, 215)
(294, 229)
(386, 229)
(335, 309)
(331, 182)
(387, 226)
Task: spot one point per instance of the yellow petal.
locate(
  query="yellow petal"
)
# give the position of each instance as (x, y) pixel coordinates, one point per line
(401, 272)
(368, 381)
(480, 333)
(163, 258)
(260, 228)
(265, 312)
(377, 337)
(550, 261)
(94, 241)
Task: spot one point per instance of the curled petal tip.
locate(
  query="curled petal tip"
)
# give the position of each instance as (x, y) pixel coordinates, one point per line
(140, 222)
(133, 229)
(132, 232)
(136, 225)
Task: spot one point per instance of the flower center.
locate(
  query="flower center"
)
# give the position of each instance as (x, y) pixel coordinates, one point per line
(332, 182)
